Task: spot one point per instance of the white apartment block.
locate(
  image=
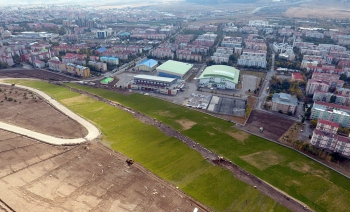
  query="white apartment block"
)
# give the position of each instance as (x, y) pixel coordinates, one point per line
(163, 53)
(325, 137)
(232, 42)
(258, 23)
(253, 58)
(316, 85)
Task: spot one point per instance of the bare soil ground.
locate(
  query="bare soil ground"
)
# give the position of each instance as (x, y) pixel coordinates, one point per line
(26, 109)
(250, 104)
(33, 73)
(291, 135)
(39, 177)
(274, 126)
(315, 11)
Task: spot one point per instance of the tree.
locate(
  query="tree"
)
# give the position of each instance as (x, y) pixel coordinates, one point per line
(343, 77)
(313, 123)
(333, 98)
(343, 131)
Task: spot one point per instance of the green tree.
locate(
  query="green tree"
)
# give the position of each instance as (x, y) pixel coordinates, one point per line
(333, 98)
(313, 123)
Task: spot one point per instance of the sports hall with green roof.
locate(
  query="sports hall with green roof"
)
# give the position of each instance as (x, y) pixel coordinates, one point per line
(219, 76)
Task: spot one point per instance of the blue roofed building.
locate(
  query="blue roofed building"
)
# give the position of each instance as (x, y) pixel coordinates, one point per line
(284, 102)
(101, 50)
(147, 65)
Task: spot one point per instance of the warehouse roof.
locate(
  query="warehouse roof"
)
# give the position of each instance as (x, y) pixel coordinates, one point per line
(227, 72)
(175, 67)
(154, 78)
(149, 63)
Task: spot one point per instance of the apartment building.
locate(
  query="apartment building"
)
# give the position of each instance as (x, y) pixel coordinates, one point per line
(316, 85)
(326, 97)
(332, 112)
(78, 70)
(253, 58)
(284, 102)
(232, 42)
(163, 53)
(325, 136)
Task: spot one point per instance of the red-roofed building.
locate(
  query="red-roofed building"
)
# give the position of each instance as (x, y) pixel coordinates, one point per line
(39, 64)
(327, 126)
(327, 138)
(297, 77)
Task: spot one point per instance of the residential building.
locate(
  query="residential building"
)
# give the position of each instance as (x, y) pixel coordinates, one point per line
(332, 112)
(258, 23)
(78, 70)
(253, 58)
(110, 60)
(316, 85)
(39, 64)
(99, 66)
(284, 102)
(56, 65)
(326, 97)
(163, 53)
(232, 42)
(327, 126)
(325, 136)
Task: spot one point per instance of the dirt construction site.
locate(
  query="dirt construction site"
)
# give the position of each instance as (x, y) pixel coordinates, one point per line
(90, 177)
(274, 126)
(35, 176)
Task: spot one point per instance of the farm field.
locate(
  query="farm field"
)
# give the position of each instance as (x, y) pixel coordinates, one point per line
(302, 178)
(165, 156)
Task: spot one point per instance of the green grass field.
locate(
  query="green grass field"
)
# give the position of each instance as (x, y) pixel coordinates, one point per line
(317, 186)
(165, 156)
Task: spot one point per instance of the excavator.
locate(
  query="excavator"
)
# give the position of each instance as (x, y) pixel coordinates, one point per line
(129, 161)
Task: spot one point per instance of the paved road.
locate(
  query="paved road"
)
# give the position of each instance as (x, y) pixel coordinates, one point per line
(93, 132)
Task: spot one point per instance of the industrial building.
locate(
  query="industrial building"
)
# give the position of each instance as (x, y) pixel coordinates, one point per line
(219, 76)
(174, 69)
(164, 85)
(147, 65)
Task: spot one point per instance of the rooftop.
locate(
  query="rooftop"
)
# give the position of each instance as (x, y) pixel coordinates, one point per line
(149, 63)
(175, 67)
(326, 122)
(154, 78)
(286, 99)
(331, 105)
(227, 72)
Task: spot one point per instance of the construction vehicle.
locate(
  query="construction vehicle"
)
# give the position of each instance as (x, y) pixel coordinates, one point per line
(129, 161)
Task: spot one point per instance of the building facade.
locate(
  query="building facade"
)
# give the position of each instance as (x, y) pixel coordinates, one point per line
(284, 102)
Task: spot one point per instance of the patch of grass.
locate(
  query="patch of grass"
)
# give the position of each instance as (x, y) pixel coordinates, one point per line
(211, 133)
(165, 156)
(259, 74)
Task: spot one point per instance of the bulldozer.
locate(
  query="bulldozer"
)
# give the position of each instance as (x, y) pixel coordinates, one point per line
(129, 161)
